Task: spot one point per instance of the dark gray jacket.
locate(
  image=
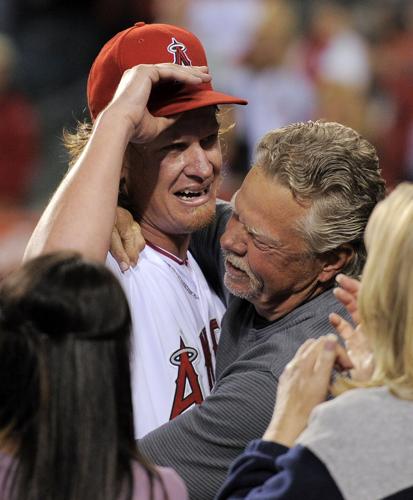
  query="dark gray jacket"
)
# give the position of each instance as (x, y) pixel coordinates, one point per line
(202, 442)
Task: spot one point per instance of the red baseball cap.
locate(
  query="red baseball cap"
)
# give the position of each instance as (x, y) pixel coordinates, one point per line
(153, 44)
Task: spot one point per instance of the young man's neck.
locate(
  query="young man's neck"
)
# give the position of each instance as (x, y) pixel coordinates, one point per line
(176, 244)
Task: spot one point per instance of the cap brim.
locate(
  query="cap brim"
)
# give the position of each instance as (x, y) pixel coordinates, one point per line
(192, 100)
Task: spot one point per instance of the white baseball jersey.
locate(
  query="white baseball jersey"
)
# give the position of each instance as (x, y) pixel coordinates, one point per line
(176, 325)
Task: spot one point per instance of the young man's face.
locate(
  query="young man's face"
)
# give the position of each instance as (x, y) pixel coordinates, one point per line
(173, 186)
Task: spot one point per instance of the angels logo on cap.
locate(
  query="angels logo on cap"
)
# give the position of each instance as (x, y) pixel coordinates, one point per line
(178, 49)
(153, 44)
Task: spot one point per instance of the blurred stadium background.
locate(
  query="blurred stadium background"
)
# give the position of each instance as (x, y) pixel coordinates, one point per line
(350, 61)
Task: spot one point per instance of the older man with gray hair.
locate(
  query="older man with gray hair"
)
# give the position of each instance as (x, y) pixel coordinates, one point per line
(296, 222)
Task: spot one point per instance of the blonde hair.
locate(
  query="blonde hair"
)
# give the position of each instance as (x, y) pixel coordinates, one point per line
(75, 142)
(386, 296)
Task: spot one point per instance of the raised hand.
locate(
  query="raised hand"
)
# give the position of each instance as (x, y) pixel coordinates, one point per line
(355, 341)
(347, 294)
(357, 347)
(132, 95)
(303, 385)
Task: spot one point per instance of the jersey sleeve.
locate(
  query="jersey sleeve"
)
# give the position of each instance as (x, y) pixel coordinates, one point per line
(201, 443)
(270, 471)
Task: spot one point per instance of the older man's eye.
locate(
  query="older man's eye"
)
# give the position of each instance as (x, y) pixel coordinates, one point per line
(260, 244)
(257, 242)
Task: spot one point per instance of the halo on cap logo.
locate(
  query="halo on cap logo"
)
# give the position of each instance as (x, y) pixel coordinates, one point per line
(178, 49)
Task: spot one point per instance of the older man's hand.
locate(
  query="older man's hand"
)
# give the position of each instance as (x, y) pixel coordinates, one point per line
(127, 241)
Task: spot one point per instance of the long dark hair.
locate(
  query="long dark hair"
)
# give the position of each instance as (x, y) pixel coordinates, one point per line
(65, 399)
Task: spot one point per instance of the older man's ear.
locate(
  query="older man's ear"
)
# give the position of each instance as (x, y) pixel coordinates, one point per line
(334, 262)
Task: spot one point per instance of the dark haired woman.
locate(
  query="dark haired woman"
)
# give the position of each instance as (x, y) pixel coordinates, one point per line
(66, 427)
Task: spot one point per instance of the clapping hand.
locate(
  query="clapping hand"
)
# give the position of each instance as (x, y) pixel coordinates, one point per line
(303, 385)
(356, 344)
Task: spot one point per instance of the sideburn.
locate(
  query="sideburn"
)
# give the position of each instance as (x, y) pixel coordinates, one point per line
(133, 159)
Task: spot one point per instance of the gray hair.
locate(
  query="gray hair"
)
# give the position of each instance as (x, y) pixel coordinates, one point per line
(337, 171)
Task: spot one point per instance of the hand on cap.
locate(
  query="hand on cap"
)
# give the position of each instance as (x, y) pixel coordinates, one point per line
(132, 95)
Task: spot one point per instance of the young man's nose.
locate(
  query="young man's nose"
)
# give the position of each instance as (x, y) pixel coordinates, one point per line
(197, 163)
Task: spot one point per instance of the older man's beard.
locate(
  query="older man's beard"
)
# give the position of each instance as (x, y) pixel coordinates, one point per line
(248, 291)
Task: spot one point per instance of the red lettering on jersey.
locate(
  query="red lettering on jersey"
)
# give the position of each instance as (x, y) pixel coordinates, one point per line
(213, 326)
(183, 358)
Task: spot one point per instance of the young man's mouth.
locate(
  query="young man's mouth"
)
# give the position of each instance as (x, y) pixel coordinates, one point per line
(193, 195)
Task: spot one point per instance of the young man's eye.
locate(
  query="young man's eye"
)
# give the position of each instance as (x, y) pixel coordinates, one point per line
(176, 146)
(210, 140)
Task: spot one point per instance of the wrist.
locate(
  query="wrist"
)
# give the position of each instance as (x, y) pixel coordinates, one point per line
(116, 123)
(286, 431)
